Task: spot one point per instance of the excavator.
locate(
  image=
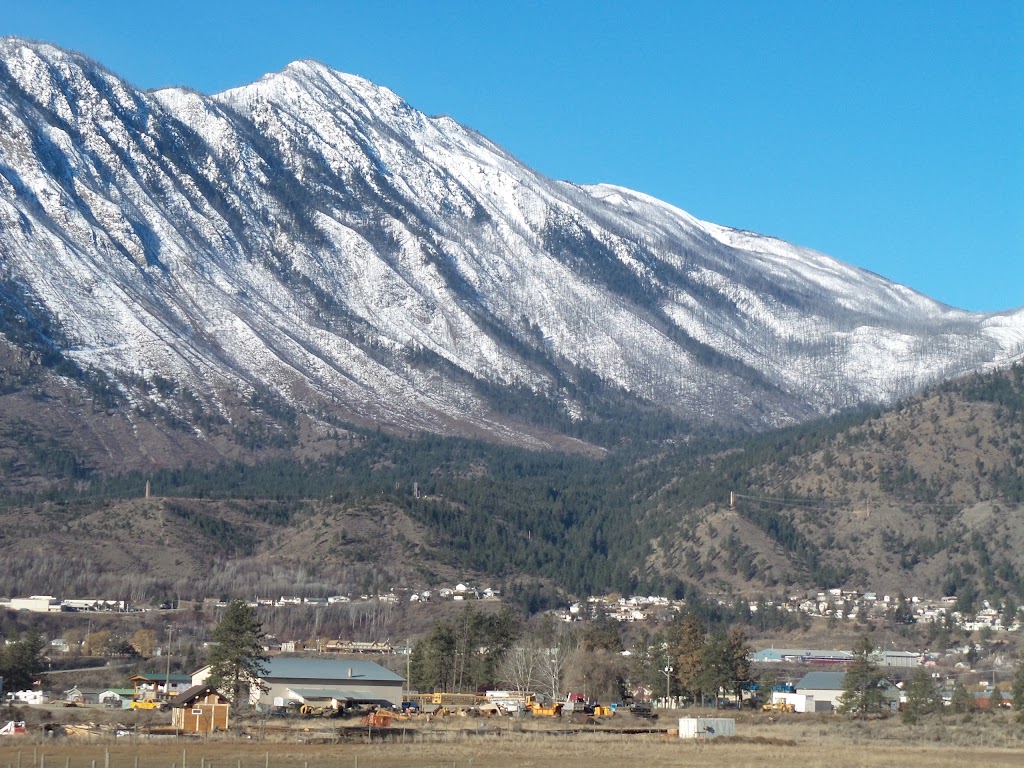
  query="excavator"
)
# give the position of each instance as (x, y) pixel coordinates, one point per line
(382, 718)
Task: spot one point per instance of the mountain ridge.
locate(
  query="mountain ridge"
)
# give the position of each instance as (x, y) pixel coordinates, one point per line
(312, 240)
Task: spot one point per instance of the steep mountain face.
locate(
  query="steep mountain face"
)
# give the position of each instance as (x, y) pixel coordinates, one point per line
(313, 249)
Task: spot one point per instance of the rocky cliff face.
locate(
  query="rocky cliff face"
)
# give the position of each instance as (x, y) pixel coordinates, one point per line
(312, 245)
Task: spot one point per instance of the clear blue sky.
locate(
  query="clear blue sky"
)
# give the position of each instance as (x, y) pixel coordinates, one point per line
(887, 134)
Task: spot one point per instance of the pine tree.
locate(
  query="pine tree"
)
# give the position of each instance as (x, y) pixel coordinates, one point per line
(237, 659)
(22, 663)
(739, 661)
(923, 697)
(1018, 685)
(863, 685)
(995, 698)
(715, 667)
(687, 647)
(961, 700)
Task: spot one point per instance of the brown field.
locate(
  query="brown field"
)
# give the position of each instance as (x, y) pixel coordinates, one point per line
(809, 742)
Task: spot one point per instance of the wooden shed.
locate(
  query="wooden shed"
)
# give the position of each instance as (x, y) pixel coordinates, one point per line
(200, 709)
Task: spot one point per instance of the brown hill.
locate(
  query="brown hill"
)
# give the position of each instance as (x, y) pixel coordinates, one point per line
(146, 549)
(922, 499)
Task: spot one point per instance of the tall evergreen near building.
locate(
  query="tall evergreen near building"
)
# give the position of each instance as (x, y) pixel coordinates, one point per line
(237, 660)
(961, 701)
(923, 697)
(1017, 687)
(739, 651)
(22, 663)
(687, 643)
(863, 685)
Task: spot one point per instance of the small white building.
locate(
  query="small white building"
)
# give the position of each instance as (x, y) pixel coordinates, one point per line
(94, 604)
(899, 659)
(31, 697)
(706, 727)
(36, 604)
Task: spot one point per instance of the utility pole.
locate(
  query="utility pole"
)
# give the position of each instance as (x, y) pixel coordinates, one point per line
(668, 682)
(167, 678)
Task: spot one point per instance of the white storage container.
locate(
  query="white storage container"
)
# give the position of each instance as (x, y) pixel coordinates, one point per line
(706, 727)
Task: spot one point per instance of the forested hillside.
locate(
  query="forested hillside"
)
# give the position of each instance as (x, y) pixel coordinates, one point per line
(921, 498)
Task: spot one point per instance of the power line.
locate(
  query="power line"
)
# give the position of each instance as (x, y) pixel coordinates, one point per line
(877, 501)
(806, 503)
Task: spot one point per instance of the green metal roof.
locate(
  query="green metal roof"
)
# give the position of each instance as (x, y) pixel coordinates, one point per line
(821, 681)
(332, 670)
(832, 681)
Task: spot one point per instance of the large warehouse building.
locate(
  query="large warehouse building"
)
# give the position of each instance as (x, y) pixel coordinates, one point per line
(347, 680)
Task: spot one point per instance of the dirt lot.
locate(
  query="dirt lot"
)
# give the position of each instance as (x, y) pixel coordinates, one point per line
(810, 742)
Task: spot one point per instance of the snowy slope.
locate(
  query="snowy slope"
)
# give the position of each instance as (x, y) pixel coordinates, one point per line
(314, 237)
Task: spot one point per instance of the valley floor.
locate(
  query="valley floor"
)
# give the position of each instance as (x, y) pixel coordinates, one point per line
(811, 742)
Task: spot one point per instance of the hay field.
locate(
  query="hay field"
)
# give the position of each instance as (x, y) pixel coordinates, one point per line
(808, 743)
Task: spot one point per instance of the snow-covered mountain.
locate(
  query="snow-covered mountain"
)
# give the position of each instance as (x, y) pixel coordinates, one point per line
(312, 240)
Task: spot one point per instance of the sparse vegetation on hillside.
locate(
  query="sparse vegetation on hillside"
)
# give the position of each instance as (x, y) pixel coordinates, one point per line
(916, 497)
(919, 497)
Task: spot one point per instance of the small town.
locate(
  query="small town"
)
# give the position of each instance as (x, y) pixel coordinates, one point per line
(833, 604)
(446, 384)
(307, 677)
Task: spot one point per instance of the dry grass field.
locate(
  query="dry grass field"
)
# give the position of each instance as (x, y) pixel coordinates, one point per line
(989, 740)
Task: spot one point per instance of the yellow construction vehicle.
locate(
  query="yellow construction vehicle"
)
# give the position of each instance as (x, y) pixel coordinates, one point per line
(537, 709)
(148, 704)
(312, 710)
(778, 706)
(382, 718)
